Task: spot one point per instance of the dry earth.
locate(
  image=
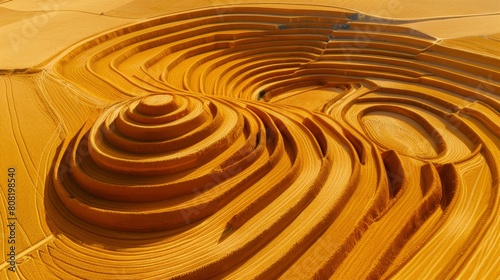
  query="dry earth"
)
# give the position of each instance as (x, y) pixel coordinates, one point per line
(233, 139)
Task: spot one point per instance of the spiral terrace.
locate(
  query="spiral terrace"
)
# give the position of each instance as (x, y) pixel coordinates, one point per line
(257, 142)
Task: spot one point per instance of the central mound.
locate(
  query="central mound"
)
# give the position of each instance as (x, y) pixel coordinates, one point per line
(157, 105)
(167, 160)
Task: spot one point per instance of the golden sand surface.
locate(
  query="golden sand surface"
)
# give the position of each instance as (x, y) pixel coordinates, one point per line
(234, 139)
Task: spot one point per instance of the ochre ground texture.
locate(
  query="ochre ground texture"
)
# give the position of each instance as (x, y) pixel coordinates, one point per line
(241, 140)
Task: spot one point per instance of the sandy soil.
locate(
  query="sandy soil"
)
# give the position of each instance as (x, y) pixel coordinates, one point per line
(238, 140)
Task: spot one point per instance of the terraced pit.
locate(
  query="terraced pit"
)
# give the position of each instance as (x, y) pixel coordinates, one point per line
(257, 142)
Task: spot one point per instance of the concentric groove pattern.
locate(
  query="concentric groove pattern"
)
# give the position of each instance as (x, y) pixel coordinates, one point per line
(387, 161)
(177, 154)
